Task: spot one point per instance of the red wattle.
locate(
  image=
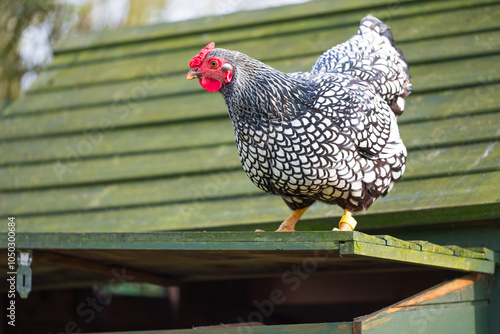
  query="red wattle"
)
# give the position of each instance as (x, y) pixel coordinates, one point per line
(211, 85)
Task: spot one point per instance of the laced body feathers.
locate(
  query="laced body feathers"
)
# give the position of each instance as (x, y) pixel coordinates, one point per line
(330, 134)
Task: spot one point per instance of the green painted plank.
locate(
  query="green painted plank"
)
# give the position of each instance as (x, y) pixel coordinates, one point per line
(449, 47)
(140, 112)
(223, 184)
(449, 131)
(349, 243)
(452, 160)
(394, 242)
(428, 217)
(433, 105)
(452, 102)
(109, 142)
(186, 240)
(475, 236)
(422, 198)
(428, 77)
(418, 257)
(131, 167)
(425, 77)
(488, 254)
(459, 251)
(433, 248)
(371, 239)
(410, 203)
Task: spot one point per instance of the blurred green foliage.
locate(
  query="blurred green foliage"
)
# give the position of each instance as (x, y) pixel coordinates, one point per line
(15, 17)
(61, 18)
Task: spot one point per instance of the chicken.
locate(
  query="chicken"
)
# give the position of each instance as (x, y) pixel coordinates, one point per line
(328, 135)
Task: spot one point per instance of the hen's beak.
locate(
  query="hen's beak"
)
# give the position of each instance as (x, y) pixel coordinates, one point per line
(193, 74)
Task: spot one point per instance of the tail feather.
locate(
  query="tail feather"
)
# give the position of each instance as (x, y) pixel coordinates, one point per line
(396, 102)
(369, 57)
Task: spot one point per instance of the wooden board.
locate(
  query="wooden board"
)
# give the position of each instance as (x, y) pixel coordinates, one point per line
(169, 258)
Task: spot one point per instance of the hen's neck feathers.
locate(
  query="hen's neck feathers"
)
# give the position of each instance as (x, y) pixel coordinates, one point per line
(259, 92)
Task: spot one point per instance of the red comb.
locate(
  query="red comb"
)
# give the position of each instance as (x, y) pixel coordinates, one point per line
(196, 61)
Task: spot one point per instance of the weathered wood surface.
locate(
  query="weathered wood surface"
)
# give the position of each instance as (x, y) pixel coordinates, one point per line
(168, 258)
(112, 138)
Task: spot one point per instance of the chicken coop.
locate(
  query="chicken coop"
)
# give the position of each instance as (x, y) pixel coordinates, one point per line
(125, 207)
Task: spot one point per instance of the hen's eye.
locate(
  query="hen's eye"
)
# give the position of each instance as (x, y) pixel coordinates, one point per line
(214, 64)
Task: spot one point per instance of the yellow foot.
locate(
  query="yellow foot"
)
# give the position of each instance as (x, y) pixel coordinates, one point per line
(347, 222)
(285, 229)
(289, 224)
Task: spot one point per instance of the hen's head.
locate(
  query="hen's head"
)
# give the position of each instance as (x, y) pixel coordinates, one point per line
(211, 70)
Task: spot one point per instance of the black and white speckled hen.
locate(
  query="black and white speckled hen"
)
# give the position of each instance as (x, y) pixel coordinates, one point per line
(327, 135)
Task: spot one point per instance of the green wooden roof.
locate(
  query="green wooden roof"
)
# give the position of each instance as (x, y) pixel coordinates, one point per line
(111, 138)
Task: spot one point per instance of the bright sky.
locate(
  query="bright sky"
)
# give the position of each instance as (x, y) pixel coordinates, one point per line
(35, 49)
(175, 10)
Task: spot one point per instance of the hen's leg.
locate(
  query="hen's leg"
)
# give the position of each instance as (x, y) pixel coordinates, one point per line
(347, 223)
(289, 224)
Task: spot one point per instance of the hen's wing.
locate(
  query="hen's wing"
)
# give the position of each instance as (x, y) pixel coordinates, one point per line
(371, 56)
